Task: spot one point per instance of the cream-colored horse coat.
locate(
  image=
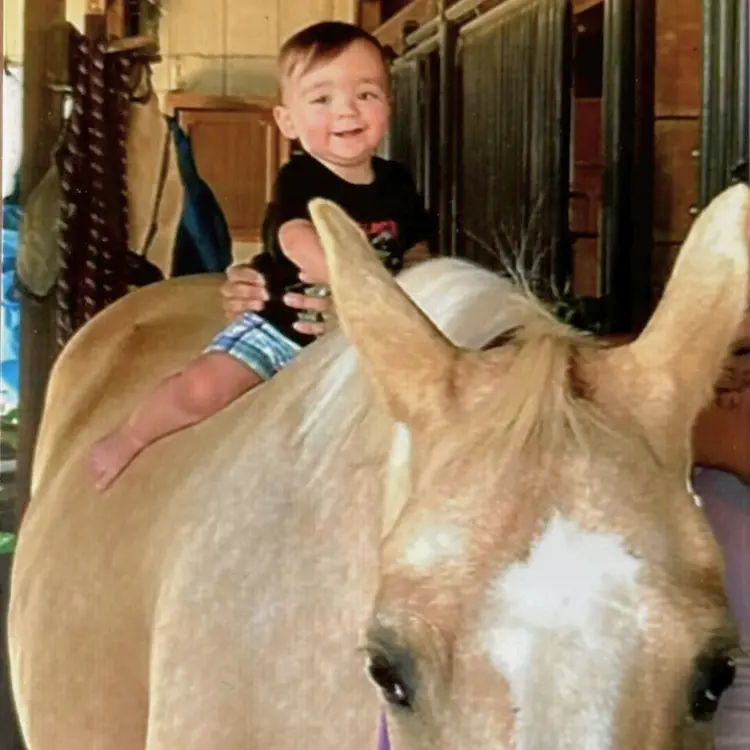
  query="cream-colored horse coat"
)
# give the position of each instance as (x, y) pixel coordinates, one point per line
(225, 592)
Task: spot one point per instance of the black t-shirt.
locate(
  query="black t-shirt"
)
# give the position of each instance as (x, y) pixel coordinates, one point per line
(389, 209)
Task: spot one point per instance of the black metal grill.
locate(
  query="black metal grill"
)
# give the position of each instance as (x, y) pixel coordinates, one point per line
(726, 104)
(405, 138)
(482, 118)
(513, 157)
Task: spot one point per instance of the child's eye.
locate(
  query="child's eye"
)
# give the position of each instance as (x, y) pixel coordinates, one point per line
(365, 95)
(321, 99)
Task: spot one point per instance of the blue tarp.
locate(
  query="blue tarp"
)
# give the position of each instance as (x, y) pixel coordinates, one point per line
(11, 310)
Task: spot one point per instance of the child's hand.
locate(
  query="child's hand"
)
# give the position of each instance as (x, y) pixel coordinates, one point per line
(299, 242)
(243, 290)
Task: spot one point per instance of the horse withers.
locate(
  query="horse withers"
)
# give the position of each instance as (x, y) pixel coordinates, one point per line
(482, 511)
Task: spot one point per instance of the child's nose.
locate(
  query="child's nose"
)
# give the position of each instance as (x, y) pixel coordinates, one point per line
(346, 105)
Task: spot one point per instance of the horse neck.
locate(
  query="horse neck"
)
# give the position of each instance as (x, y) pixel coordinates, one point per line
(324, 445)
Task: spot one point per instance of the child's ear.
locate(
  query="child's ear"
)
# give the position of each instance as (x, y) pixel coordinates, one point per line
(284, 122)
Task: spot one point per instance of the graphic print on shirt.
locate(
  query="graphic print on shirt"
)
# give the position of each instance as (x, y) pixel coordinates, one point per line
(383, 236)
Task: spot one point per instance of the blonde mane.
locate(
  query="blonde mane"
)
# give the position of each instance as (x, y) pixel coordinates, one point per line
(473, 307)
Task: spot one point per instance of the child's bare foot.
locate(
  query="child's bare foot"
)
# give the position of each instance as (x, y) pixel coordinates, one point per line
(111, 455)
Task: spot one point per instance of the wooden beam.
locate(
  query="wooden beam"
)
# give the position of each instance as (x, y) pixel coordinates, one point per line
(390, 33)
(147, 44)
(370, 14)
(116, 21)
(579, 6)
(95, 20)
(45, 62)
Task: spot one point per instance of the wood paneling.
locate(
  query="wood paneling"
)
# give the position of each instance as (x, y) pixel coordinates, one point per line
(678, 58)
(588, 131)
(586, 194)
(581, 6)
(237, 152)
(675, 178)
(586, 267)
(586, 198)
(370, 14)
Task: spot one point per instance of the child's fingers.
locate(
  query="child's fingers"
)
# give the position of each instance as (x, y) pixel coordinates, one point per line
(306, 302)
(243, 274)
(311, 329)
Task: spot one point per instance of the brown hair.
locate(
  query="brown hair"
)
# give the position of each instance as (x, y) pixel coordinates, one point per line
(320, 43)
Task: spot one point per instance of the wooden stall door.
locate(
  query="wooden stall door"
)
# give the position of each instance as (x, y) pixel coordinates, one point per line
(677, 115)
(237, 154)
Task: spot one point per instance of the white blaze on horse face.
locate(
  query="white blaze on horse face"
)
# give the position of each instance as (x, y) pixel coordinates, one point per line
(563, 628)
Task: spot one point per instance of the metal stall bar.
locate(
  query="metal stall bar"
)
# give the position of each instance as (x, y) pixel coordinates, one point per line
(707, 137)
(447, 134)
(742, 58)
(514, 156)
(436, 49)
(724, 106)
(618, 123)
(423, 130)
(406, 130)
(627, 183)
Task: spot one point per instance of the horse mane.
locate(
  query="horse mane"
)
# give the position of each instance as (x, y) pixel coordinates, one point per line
(473, 307)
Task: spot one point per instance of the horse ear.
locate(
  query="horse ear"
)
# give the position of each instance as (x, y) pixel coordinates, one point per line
(668, 373)
(408, 358)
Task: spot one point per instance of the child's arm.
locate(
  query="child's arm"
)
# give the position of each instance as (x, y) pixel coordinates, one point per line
(299, 242)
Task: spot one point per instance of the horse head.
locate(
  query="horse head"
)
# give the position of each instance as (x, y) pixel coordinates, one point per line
(547, 578)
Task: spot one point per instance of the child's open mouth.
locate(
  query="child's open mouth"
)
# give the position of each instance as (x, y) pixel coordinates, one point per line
(350, 133)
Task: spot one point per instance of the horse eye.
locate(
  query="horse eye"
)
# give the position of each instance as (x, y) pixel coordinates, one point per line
(391, 683)
(711, 680)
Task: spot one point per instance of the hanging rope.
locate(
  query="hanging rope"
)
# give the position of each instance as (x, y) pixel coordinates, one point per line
(92, 158)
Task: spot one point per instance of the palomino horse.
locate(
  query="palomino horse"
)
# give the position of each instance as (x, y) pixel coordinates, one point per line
(485, 510)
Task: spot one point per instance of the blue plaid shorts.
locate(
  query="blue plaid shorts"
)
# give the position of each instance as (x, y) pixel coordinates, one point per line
(256, 343)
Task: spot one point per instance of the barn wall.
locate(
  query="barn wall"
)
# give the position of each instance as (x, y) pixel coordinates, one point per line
(13, 30)
(230, 48)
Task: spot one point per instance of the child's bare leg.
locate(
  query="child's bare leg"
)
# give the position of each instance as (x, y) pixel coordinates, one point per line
(205, 386)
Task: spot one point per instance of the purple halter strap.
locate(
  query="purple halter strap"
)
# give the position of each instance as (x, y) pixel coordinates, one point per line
(383, 742)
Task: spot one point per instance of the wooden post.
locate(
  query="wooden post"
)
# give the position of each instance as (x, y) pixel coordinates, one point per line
(95, 21)
(370, 14)
(45, 62)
